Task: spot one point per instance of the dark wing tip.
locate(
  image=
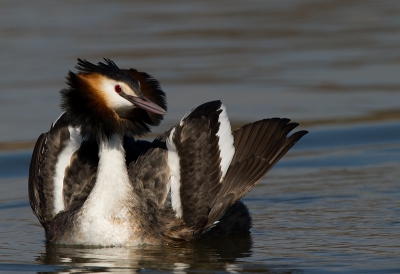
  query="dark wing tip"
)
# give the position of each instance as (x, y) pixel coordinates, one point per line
(297, 135)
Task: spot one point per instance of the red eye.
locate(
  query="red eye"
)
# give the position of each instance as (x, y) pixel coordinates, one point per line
(118, 89)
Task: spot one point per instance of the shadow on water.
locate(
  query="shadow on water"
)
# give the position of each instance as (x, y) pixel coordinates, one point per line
(208, 255)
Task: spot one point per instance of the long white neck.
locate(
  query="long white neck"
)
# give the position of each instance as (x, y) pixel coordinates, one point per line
(106, 218)
(112, 187)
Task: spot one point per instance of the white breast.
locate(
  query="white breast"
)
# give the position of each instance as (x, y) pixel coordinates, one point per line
(106, 217)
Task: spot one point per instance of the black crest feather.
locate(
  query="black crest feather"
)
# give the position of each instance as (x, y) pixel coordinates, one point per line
(93, 116)
(85, 66)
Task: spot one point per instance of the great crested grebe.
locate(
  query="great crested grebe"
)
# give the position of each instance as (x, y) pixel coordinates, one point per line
(92, 183)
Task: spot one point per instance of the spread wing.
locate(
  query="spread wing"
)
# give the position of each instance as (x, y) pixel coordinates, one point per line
(211, 168)
(200, 149)
(258, 147)
(61, 172)
(43, 184)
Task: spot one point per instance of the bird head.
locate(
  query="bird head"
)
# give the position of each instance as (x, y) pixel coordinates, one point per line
(104, 100)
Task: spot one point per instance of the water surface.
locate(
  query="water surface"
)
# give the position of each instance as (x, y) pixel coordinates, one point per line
(331, 205)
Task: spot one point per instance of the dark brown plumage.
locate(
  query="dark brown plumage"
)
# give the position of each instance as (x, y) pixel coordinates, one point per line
(206, 200)
(92, 183)
(259, 146)
(41, 170)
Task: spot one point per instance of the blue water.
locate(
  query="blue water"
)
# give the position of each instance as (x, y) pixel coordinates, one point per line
(328, 207)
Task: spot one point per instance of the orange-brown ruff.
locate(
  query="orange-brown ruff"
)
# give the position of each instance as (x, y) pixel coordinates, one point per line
(92, 183)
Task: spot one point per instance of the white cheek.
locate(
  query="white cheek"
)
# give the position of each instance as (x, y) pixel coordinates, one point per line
(113, 99)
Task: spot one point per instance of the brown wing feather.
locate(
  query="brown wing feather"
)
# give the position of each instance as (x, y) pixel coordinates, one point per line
(196, 142)
(42, 170)
(150, 179)
(150, 174)
(35, 183)
(258, 147)
(80, 175)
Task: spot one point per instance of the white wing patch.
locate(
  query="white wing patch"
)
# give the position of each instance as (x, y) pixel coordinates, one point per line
(63, 162)
(175, 176)
(225, 143)
(227, 150)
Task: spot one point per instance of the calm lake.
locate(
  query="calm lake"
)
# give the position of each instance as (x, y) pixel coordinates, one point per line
(331, 205)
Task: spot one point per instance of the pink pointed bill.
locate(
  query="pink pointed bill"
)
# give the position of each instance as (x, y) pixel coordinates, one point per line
(148, 105)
